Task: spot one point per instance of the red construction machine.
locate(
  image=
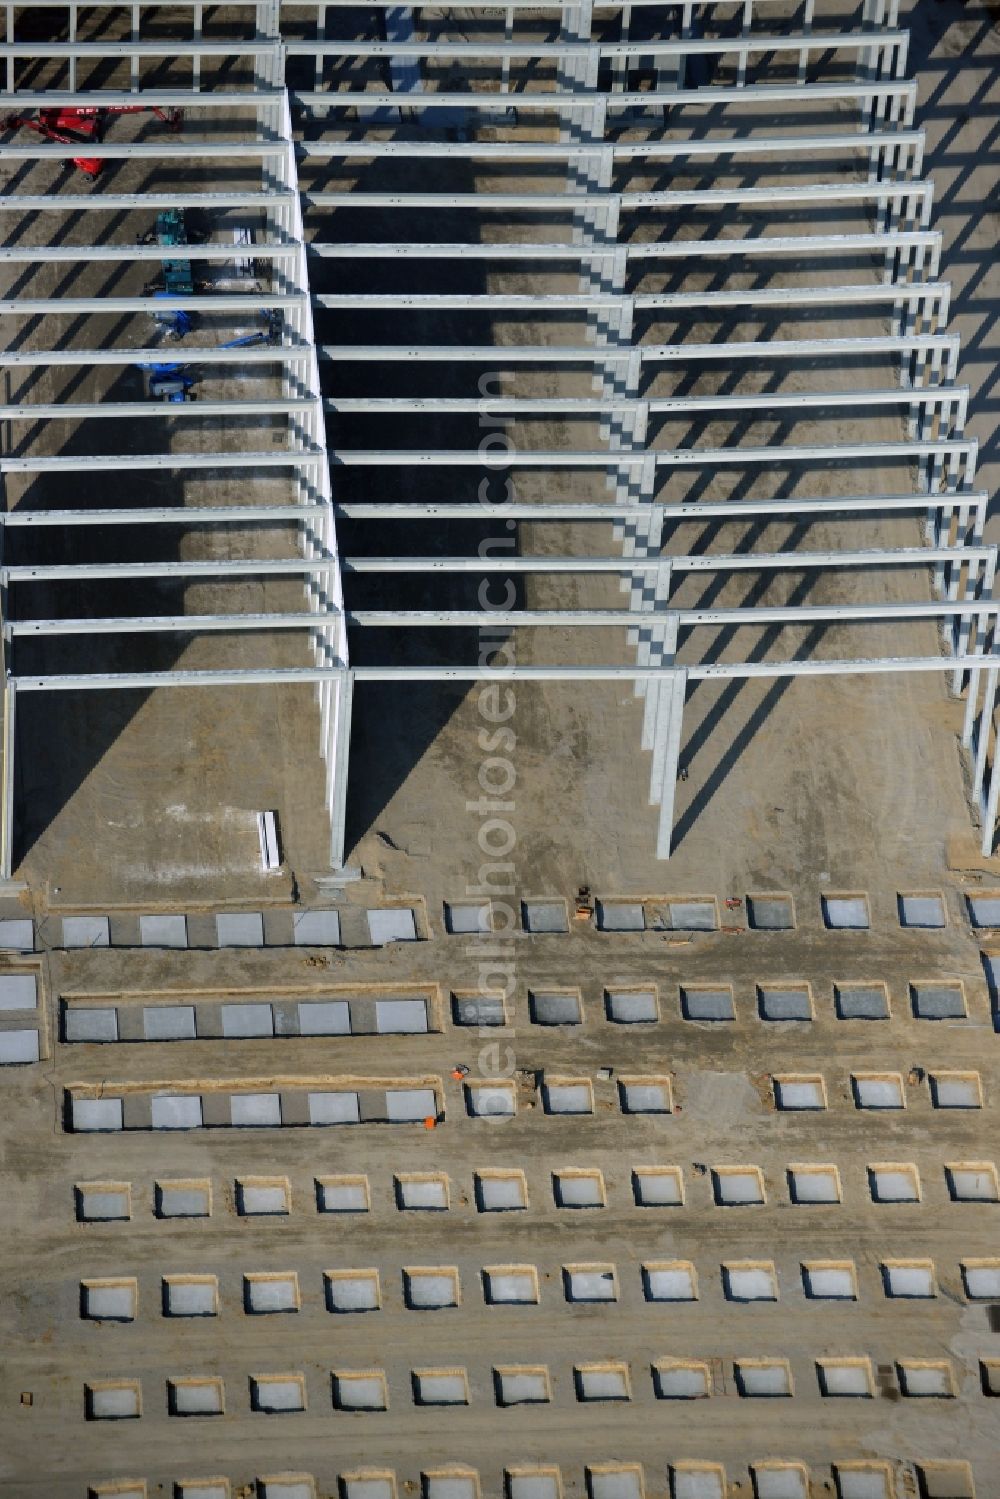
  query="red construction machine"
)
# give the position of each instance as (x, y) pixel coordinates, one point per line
(78, 125)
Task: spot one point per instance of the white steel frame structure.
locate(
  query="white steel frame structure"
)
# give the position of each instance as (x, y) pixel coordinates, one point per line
(583, 82)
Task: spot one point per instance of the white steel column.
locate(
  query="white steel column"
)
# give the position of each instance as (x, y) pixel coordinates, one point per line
(9, 741)
(603, 274)
(666, 756)
(324, 591)
(338, 766)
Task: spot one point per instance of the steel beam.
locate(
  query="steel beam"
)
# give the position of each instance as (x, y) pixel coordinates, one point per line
(75, 411)
(697, 562)
(679, 249)
(172, 150)
(221, 302)
(117, 462)
(63, 5)
(78, 254)
(882, 666)
(156, 624)
(818, 193)
(172, 515)
(736, 510)
(992, 799)
(293, 675)
(519, 151)
(85, 572)
(758, 616)
(9, 769)
(798, 42)
(489, 6)
(116, 202)
(589, 406)
(959, 449)
(163, 98)
(965, 448)
(507, 355)
(666, 755)
(263, 354)
(947, 344)
(655, 100)
(172, 47)
(339, 765)
(894, 557)
(866, 293)
(225, 302)
(899, 90)
(471, 5)
(594, 511)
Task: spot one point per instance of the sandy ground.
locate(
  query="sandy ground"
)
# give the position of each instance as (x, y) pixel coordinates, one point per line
(722, 1114)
